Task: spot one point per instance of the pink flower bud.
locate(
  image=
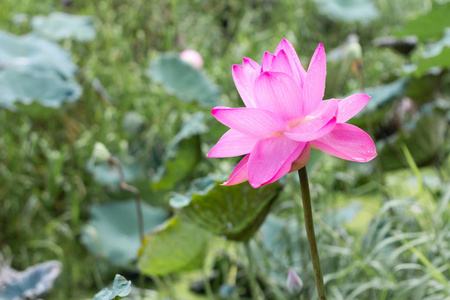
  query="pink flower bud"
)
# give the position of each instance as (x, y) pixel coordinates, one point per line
(193, 58)
(294, 283)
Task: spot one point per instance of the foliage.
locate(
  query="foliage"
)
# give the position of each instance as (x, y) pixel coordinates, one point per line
(182, 154)
(120, 289)
(362, 11)
(25, 86)
(59, 26)
(32, 68)
(423, 144)
(383, 94)
(234, 212)
(29, 284)
(112, 232)
(435, 55)
(174, 247)
(183, 80)
(429, 25)
(33, 52)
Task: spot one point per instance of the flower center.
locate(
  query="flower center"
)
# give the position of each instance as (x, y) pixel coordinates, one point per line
(297, 121)
(294, 122)
(291, 124)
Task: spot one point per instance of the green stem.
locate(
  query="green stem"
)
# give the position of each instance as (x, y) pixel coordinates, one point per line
(162, 285)
(309, 225)
(208, 287)
(250, 272)
(115, 162)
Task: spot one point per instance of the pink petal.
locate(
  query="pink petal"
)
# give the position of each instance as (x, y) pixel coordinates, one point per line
(239, 173)
(311, 130)
(281, 64)
(296, 160)
(319, 123)
(243, 77)
(300, 73)
(278, 93)
(314, 86)
(350, 106)
(267, 157)
(233, 143)
(266, 64)
(250, 121)
(348, 142)
(301, 161)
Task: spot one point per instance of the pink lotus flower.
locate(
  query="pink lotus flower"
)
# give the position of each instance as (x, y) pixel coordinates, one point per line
(284, 116)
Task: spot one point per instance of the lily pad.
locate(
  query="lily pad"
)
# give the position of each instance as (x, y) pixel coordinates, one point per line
(362, 11)
(176, 246)
(279, 246)
(33, 72)
(381, 101)
(422, 88)
(59, 26)
(430, 25)
(121, 288)
(435, 55)
(29, 284)
(112, 232)
(184, 81)
(424, 136)
(25, 86)
(381, 95)
(199, 186)
(235, 212)
(404, 45)
(182, 154)
(107, 175)
(31, 52)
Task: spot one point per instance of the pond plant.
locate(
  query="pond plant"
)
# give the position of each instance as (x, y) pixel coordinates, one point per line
(285, 115)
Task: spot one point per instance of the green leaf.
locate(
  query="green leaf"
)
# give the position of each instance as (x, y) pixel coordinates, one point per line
(182, 155)
(382, 98)
(428, 26)
(435, 55)
(235, 212)
(31, 52)
(199, 186)
(279, 240)
(362, 11)
(424, 136)
(176, 246)
(34, 69)
(433, 271)
(112, 232)
(383, 94)
(59, 26)
(422, 88)
(121, 288)
(32, 283)
(24, 86)
(107, 175)
(184, 81)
